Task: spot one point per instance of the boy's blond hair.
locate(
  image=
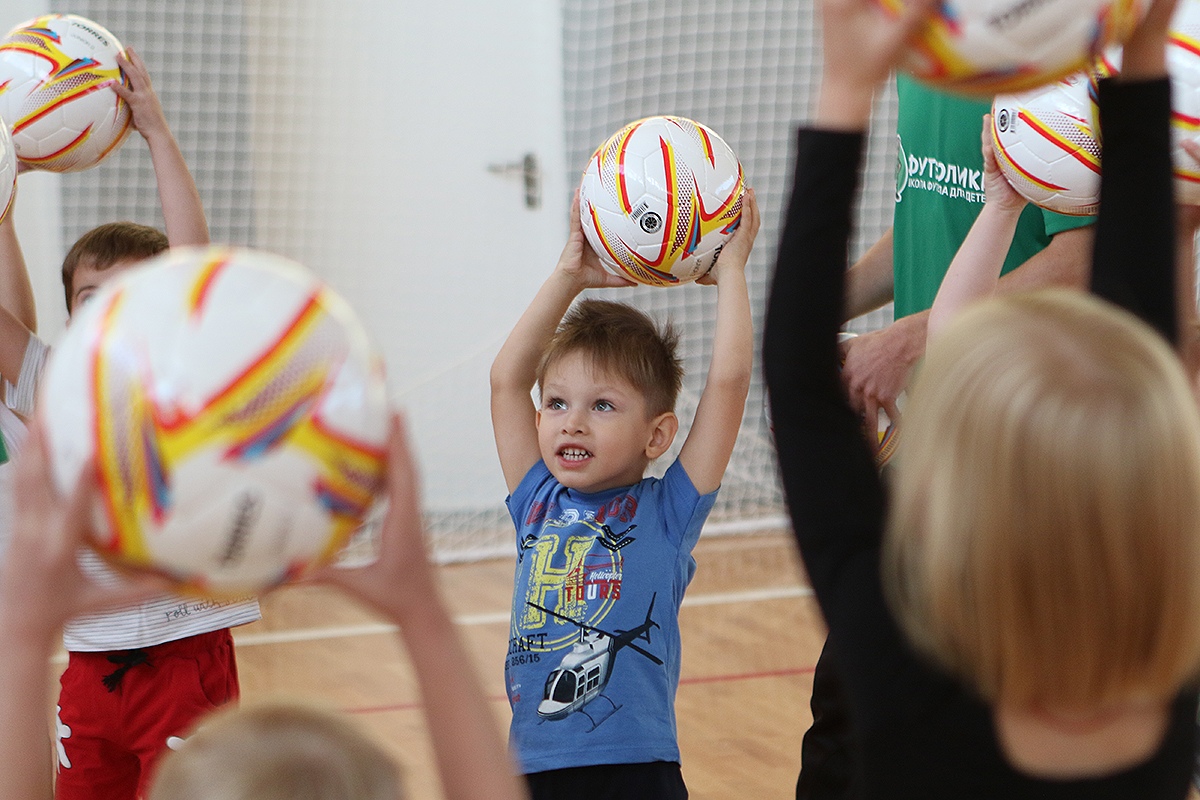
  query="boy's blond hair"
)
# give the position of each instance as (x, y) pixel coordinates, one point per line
(109, 244)
(624, 342)
(277, 751)
(1044, 544)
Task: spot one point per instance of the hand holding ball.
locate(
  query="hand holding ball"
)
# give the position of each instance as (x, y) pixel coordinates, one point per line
(982, 47)
(54, 93)
(233, 412)
(659, 199)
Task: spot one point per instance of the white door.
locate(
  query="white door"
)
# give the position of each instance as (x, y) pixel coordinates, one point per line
(419, 111)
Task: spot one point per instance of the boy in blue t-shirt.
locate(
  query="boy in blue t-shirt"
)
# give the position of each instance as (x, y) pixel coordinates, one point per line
(603, 553)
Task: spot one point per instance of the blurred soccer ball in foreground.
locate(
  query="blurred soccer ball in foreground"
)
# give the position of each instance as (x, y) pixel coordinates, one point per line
(1047, 147)
(660, 198)
(53, 71)
(235, 414)
(987, 46)
(1183, 64)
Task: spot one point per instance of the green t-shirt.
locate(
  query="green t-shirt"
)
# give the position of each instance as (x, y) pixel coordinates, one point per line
(939, 192)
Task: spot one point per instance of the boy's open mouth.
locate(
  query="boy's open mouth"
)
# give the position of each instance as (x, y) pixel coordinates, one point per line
(573, 454)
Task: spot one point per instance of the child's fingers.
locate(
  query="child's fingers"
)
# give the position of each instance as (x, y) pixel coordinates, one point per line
(871, 420)
(135, 70)
(1192, 148)
(576, 216)
(750, 206)
(914, 14)
(892, 410)
(614, 281)
(128, 70)
(123, 91)
(403, 532)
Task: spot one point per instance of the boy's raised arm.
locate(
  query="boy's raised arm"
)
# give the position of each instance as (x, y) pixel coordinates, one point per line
(514, 370)
(18, 316)
(975, 269)
(714, 430)
(183, 212)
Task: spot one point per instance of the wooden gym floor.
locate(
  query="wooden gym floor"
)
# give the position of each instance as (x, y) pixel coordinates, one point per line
(751, 634)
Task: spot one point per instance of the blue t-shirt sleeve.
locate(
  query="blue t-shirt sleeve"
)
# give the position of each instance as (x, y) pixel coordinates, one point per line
(684, 509)
(521, 499)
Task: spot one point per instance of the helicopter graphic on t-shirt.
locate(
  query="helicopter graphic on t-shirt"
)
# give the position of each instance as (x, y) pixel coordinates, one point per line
(584, 671)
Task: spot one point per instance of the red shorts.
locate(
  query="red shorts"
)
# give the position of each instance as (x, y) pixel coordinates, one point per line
(108, 741)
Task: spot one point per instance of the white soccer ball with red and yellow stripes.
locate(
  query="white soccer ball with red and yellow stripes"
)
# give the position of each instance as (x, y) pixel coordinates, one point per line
(983, 47)
(53, 93)
(8, 172)
(660, 198)
(1047, 147)
(234, 414)
(1183, 64)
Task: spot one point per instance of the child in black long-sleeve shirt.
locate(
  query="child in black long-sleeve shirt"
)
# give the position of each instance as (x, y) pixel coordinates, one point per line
(1024, 626)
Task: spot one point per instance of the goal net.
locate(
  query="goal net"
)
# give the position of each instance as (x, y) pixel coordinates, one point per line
(747, 69)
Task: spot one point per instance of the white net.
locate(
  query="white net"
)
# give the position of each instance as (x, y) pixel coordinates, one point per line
(224, 69)
(748, 70)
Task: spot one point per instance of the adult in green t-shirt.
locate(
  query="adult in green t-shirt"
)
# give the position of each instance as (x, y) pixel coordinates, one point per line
(939, 192)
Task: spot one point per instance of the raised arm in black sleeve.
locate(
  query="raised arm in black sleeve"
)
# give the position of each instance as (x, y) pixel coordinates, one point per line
(1134, 260)
(833, 491)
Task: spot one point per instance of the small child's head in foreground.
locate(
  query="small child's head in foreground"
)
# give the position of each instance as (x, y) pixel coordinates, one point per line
(103, 253)
(608, 381)
(277, 751)
(1044, 543)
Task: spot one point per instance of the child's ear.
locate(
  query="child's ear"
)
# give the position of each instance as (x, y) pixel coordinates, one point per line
(662, 434)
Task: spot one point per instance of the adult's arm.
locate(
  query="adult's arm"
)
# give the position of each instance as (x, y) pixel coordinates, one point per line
(870, 282)
(877, 364)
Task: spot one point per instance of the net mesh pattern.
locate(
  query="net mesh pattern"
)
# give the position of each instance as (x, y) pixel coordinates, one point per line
(749, 70)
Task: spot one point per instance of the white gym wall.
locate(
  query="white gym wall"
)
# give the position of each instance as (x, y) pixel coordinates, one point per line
(439, 254)
(365, 136)
(373, 141)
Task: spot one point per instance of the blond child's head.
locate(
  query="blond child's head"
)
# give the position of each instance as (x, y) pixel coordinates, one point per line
(625, 342)
(277, 751)
(1044, 543)
(102, 252)
(608, 381)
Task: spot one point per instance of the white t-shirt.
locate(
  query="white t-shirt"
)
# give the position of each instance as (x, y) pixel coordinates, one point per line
(163, 618)
(160, 619)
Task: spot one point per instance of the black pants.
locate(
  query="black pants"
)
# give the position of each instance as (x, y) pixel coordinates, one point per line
(827, 752)
(656, 780)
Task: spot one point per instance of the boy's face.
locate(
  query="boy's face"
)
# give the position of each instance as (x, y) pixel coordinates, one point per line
(87, 280)
(594, 432)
